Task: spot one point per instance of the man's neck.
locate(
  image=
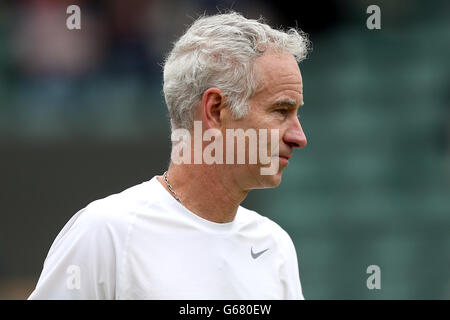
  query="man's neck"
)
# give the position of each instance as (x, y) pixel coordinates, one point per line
(206, 191)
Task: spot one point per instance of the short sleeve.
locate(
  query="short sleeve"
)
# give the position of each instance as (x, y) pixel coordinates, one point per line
(290, 271)
(82, 261)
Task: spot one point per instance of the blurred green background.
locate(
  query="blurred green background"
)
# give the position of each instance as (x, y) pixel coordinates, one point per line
(82, 116)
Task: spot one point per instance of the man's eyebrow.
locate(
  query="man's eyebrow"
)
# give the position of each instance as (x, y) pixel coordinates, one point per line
(291, 103)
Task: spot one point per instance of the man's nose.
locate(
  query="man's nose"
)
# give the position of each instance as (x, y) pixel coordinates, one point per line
(294, 136)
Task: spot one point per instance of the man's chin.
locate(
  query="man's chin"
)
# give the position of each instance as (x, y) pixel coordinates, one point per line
(270, 181)
(258, 180)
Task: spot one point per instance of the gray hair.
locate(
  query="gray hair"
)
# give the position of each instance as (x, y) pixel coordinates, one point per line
(219, 51)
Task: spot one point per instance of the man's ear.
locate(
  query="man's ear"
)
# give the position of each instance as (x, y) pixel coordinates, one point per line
(213, 104)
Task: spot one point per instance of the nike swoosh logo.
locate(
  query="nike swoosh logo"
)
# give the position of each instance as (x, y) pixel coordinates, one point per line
(255, 255)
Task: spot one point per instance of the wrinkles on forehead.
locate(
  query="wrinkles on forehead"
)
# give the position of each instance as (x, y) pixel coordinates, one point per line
(280, 69)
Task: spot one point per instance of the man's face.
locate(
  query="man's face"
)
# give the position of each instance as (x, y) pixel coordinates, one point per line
(274, 106)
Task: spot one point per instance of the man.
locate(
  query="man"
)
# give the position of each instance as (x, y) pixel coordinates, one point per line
(184, 235)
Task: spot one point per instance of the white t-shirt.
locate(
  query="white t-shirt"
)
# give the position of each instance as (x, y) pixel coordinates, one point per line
(143, 244)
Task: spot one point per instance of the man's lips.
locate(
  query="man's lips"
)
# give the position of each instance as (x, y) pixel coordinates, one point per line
(284, 159)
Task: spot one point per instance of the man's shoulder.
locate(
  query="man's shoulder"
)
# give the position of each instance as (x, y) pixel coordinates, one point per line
(117, 209)
(106, 222)
(263, 224)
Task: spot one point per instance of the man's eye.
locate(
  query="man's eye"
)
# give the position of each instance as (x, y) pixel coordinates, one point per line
(283, 111)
